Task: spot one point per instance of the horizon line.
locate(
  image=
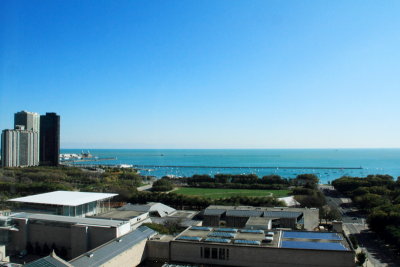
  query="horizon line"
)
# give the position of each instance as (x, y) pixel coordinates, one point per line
(333, 148)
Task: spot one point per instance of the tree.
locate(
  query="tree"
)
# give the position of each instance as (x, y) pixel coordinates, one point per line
(370, 201)
(308, 180)
(316, 199)
(354, 241)
(273, 179)
(223, 178)
(361, 257)
(333, 214)
(135, 178)
(162, 185)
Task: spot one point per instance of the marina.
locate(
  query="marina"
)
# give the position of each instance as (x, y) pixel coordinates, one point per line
(327, 164)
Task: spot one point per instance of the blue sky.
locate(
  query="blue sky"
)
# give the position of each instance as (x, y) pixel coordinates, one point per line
(205, 74)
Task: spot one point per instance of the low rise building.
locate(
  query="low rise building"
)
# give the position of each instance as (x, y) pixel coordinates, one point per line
(275, 217)
(66, 203)
(155, 209)
(208, 246)
(127, 251)
(73, 234)
(135, 218)
(49, 261)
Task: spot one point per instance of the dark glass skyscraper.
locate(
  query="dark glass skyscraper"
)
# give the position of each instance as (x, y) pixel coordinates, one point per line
(49, 139)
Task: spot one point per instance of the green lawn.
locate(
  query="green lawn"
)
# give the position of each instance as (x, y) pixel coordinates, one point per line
(224, 193)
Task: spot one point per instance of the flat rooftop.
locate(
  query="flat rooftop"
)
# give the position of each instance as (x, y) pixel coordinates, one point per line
(223, 235)
(219, 209)
(68, 219)
(266, 238)
(119, 214)
(64, 198)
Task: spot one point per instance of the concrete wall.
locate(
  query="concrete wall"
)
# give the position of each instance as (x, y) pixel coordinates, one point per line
(261, 256)
(79, 240)
(75, 238)
(42, 234)
(3, 256)
(211, 220)
(129, 258)
(311, 219)
(287, 223)
(235, 221)
(138, 219)
(157, 250)
(100, 235)
(19, 238)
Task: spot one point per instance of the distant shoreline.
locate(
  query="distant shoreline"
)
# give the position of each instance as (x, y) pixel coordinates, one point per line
(363, 148)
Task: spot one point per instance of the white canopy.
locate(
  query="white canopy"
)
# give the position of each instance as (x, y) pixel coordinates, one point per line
(64, 198)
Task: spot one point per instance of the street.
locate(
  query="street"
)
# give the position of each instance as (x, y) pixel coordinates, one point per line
(354, 223)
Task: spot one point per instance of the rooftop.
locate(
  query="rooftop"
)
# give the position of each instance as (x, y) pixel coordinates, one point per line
(282, 214)
(269, 238)
(119, 214)
(219, 209)
(160, 208)
(104, 253)
(49, 261)
(69, 220)
(64, 198)
(228, 236)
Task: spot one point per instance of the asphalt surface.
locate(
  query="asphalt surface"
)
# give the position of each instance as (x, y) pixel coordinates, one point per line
(355, 223)
(145, 187)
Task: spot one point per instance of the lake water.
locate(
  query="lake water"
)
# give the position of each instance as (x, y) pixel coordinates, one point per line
(327, 164)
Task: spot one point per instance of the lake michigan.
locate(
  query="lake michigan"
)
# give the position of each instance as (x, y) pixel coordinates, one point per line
(327, 164)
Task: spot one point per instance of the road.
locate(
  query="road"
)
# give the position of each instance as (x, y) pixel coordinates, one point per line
(355, 223)
(145, 187)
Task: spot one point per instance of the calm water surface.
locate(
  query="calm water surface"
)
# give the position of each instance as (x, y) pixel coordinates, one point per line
(327, 164)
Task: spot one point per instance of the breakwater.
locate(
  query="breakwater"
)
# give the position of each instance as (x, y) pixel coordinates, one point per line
(251, 167)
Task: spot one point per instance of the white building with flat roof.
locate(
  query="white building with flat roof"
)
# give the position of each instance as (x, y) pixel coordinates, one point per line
(67, 203)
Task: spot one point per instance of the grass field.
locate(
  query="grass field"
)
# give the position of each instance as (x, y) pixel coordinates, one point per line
(224, 193)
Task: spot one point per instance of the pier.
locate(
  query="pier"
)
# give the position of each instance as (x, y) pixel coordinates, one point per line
(85, 160)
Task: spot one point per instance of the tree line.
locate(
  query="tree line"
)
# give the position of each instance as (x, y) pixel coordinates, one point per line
(16, 182)
(378, 196)
(198, 203)
(245, 181)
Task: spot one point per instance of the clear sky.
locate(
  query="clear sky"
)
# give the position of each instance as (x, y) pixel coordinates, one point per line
(205, 74)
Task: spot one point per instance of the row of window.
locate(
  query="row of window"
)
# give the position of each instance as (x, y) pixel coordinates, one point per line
(214, 253)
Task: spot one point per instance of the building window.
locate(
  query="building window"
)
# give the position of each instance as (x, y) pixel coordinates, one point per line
(207, 253)
(214, 253)
(222, 254)
(227, 254)
(201, 252)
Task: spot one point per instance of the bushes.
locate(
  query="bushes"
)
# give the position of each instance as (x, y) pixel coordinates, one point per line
(361, 257)
(239, 186)
(16, 182)
(353, 241)
(169, 227)
(162, 185)
(195, 202)
(237, 181)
